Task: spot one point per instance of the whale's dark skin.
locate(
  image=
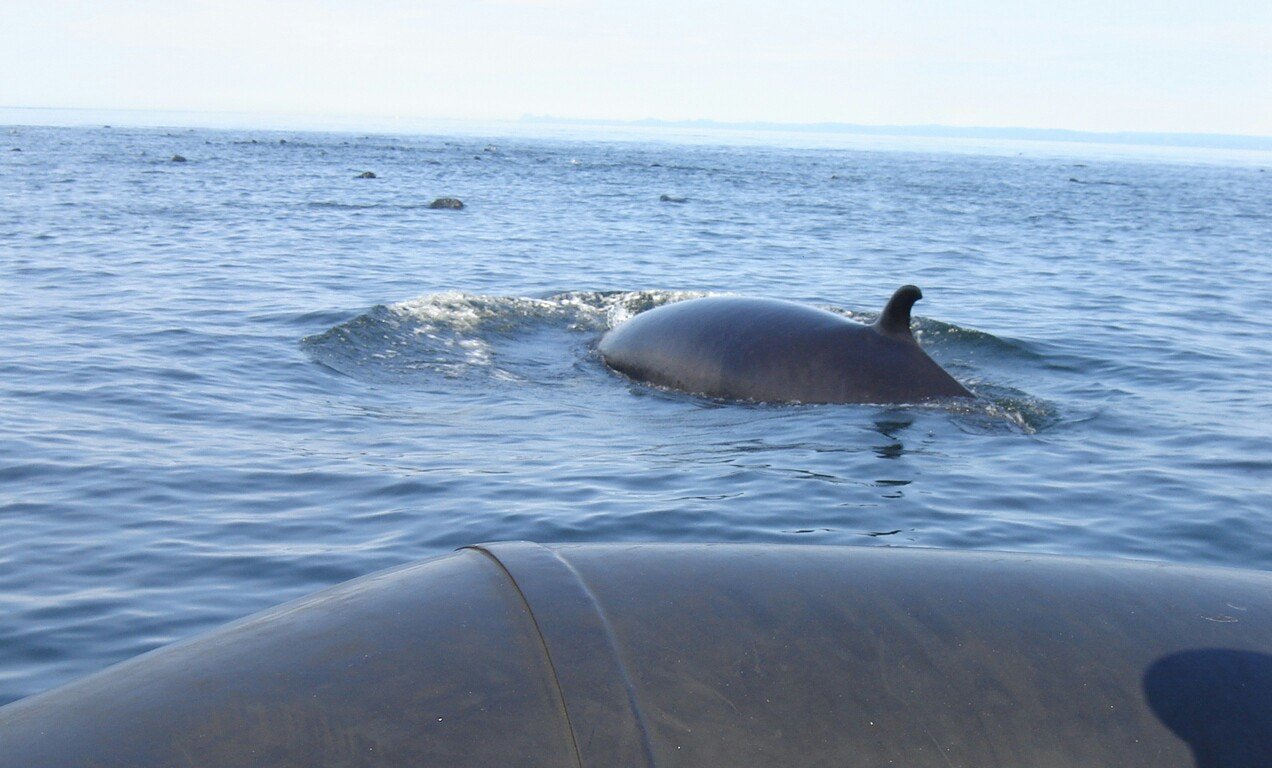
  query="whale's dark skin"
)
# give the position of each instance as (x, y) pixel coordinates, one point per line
(766, 350)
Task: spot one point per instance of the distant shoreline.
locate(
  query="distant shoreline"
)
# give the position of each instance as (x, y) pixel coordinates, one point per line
(67, 116)
(1139, 138)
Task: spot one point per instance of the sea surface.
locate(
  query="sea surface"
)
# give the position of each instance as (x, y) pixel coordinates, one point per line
(232, 380)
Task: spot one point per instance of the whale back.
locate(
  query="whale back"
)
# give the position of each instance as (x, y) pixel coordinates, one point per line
(768, 350)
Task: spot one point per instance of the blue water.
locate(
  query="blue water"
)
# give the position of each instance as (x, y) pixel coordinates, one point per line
(233, 380)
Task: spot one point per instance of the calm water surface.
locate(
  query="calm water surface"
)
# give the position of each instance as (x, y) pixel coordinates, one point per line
(229, 381)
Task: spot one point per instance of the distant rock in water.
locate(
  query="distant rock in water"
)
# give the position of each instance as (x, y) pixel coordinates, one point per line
(366, 175)
(448, 203)
(672, 199)
(178, 158)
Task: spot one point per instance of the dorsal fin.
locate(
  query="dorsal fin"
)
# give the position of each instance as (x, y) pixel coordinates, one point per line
(894, 321)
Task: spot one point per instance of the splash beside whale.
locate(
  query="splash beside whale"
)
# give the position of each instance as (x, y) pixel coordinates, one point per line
(767, 350)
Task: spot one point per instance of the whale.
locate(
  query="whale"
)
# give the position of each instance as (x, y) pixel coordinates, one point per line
(769, 350)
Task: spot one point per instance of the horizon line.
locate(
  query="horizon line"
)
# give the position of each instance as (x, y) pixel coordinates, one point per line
(1186, 139)
(1175, 139)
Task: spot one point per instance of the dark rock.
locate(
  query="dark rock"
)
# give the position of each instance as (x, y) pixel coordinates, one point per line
(448, 203)
(366, 175)
(178, 159)
(671, 199)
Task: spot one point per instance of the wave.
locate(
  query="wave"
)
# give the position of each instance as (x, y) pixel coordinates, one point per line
(335, 206)
(456, 335)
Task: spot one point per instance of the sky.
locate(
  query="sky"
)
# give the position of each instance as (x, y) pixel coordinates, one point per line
(1203, 66)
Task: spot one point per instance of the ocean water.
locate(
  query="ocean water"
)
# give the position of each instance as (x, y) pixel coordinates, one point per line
(233, 380)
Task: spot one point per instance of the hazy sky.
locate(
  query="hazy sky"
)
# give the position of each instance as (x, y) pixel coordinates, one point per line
(1144, 65)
